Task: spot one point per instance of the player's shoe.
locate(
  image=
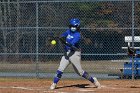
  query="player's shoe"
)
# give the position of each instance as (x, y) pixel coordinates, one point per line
(53, 86)
(96, 83)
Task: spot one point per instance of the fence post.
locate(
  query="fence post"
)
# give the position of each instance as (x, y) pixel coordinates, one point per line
(37, 60)
(133, 24)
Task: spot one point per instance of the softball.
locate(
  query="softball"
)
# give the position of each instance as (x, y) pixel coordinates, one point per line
(53, 42)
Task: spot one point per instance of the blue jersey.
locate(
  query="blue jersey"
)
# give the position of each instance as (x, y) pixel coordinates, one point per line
(72, 38)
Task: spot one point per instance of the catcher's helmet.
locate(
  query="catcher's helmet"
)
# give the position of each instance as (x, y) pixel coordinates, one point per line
(75, 22)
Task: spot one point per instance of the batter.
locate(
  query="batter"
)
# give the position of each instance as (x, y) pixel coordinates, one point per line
(72, 54)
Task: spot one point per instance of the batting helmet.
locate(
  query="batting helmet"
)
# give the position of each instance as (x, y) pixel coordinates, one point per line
(75, 22)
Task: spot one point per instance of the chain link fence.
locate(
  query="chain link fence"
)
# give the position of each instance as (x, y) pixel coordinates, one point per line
(27, 28)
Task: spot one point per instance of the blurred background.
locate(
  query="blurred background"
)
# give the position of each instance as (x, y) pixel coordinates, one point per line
(28, 26)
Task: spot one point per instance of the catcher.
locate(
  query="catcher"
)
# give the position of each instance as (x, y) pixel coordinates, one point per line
(72, 54)
(132, 52)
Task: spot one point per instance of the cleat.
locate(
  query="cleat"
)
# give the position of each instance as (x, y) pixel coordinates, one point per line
(96, 83)
(53, 86)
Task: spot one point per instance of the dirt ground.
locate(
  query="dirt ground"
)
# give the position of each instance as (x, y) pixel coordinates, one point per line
(67, 86)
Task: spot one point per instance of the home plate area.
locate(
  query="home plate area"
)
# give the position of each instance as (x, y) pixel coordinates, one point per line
(68, 86)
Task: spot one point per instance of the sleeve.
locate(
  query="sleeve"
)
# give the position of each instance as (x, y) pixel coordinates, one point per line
(64, 34)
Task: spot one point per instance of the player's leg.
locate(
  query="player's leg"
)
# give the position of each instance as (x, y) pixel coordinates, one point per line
(76, 62)
(85, 75)
(91, 79)
(63, 64)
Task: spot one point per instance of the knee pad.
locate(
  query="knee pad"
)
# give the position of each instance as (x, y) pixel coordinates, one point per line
(59, 74)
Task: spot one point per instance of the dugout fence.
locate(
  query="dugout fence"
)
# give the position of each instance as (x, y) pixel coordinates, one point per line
(28, 26)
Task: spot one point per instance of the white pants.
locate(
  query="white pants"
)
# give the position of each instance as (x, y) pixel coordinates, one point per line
(75, 60)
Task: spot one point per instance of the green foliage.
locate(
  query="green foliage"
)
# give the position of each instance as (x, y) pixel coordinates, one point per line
(88, 7)
(104, 23)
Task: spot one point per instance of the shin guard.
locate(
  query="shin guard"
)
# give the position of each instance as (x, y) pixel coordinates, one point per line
(87, 76)
(57, 76)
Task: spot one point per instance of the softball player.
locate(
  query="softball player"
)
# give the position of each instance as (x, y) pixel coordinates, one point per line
(72, 54)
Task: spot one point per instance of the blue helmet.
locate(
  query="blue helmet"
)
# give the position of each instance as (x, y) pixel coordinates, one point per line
(75, 22)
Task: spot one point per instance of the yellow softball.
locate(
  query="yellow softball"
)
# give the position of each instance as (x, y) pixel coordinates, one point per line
(53, 42)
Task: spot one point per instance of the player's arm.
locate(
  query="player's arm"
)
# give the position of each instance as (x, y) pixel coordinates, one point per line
(62, 38)
(63, 41)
